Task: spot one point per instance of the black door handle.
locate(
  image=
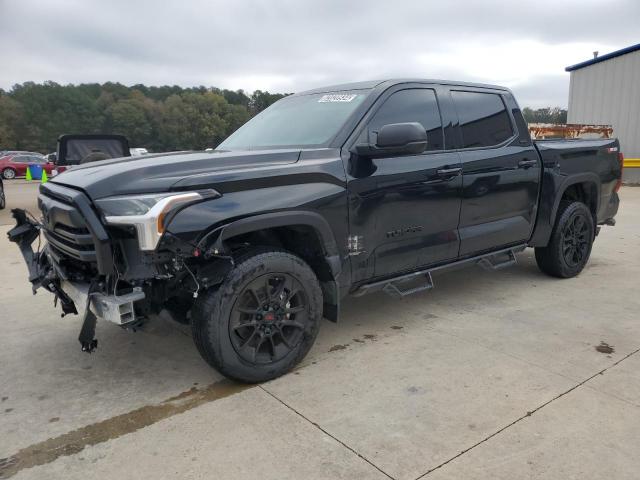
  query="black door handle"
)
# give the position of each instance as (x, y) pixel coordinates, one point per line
(449, 172)
(527, 163)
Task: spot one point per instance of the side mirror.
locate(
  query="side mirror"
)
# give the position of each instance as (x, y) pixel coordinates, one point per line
(396, 139)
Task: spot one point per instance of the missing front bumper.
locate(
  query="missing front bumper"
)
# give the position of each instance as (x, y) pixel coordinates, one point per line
(86, 299)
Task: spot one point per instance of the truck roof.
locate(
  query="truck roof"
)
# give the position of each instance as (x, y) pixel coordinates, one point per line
(395, 81)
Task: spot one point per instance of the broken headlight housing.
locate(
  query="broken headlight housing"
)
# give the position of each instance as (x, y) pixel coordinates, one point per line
(147, 212)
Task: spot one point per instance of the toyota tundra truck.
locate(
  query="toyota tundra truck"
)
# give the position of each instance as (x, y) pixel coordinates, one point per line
(345, 190)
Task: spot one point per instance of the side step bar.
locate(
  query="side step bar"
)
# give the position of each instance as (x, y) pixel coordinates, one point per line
(497, 262)
(392, 286)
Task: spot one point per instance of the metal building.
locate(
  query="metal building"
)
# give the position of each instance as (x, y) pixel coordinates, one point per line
(606, 90)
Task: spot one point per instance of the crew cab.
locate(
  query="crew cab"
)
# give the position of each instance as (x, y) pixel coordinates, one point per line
(344, 190)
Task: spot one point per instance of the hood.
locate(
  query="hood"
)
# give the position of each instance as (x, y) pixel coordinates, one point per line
(159, 173)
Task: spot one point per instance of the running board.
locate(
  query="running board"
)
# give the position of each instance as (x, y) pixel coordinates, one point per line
(392, 286)
(495, 262)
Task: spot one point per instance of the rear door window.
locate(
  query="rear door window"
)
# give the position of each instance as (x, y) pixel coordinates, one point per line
(484, 120)
(412, 105)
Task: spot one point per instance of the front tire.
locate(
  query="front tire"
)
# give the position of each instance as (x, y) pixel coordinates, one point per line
(570, 245)
(263, 318)
(9, 173)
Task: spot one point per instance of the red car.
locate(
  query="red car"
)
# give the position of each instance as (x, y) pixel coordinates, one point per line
(14, 164)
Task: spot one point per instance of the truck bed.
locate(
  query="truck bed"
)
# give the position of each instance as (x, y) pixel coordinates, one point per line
(593, 164)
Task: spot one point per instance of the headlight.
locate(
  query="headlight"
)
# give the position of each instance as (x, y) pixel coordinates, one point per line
(147, 212)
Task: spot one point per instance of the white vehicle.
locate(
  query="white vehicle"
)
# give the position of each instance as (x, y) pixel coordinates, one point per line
(137, 152)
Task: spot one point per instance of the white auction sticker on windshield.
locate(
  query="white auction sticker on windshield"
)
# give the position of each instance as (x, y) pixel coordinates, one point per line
(336, 97)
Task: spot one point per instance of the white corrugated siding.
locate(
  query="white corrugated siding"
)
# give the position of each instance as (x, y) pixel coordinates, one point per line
(609, 93)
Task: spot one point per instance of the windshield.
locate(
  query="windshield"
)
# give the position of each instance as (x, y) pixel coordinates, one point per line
(305, 121)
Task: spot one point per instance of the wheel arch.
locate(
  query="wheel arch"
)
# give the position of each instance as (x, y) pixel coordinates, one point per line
(583, 187)
(306, 234)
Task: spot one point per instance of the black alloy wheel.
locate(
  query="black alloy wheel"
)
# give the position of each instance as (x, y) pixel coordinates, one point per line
(269, 318)
(262, 319)
(569, 247)
(576, 240)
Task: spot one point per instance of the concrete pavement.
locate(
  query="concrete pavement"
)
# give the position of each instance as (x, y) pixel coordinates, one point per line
(490, 375)
(19, 194)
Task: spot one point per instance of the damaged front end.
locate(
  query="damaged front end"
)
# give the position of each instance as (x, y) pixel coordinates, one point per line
(99, 269)
(87, 297)
(42, 274)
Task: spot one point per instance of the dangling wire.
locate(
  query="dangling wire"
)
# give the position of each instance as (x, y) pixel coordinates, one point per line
(115, 266)
(195, 294)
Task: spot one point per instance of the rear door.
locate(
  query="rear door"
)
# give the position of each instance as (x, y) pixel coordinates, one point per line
(404, 209)
(501, 171)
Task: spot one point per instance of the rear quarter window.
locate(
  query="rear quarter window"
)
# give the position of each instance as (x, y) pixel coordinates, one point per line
(483, 118)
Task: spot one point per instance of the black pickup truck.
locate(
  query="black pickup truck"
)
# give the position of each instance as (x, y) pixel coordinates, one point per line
(341, 190)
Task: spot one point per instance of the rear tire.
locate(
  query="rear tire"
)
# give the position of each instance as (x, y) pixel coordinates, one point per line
(263, 318)
(570, 244)
(8, 173)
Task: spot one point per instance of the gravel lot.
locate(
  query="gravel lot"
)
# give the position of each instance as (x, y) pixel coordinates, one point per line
(501, 375)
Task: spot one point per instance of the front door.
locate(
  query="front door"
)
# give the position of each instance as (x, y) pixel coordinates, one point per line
(404, 210)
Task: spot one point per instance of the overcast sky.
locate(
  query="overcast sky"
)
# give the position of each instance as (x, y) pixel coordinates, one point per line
(292, 45)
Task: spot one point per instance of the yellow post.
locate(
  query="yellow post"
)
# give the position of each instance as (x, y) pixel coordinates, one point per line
(29, 177)
(44, 178)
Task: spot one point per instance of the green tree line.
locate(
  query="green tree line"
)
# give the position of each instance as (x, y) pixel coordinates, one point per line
(545, 115)
(165, 118)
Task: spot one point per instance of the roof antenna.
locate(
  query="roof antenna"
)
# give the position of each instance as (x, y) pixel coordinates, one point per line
(595, 54)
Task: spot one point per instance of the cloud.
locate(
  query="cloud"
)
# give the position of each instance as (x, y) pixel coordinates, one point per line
(289, 45)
